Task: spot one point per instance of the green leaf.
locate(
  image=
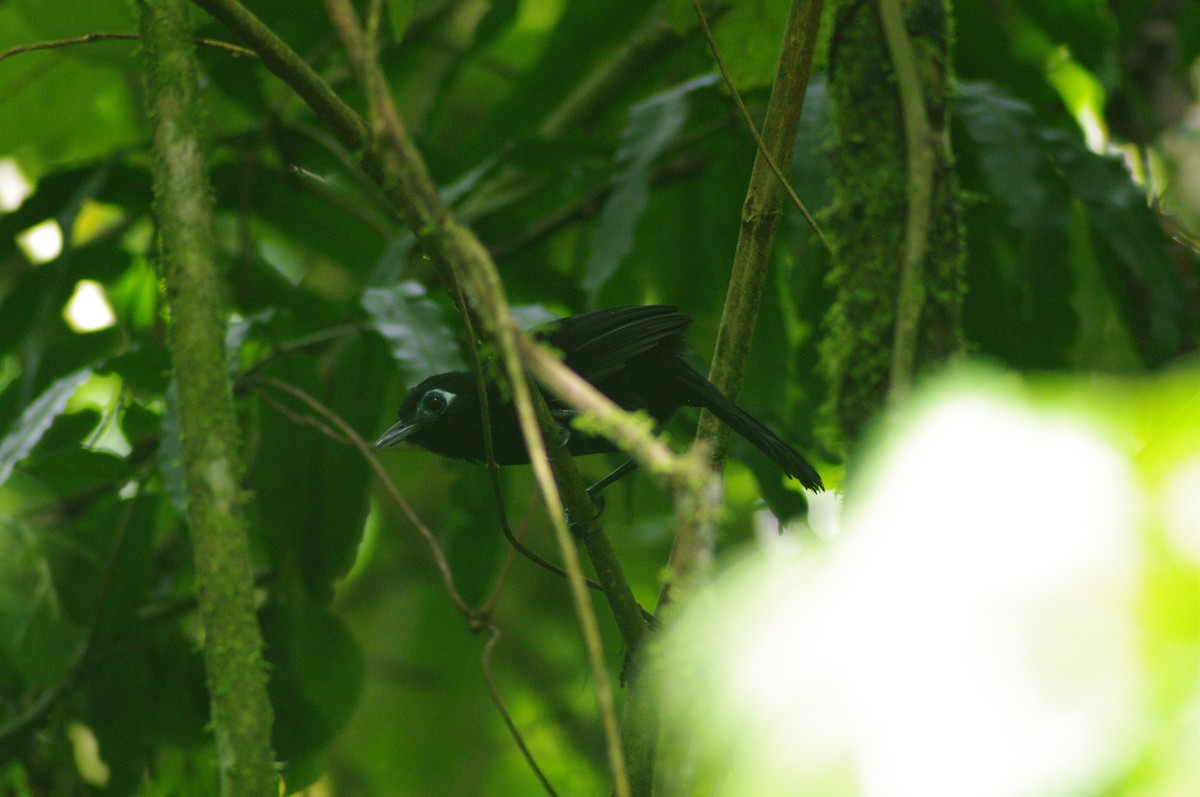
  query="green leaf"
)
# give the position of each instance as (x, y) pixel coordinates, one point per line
(317, 673)
(237, 332)
(135, 296)
(71, 469)
(1146, 285)
(1018, 307)
(118, 711)
(101, 562)
(311, 490)
(38, 645)
(36, 419)
(145, 369)
(550, 63)
(399, 12)
(1004, 129)
(37, 642)
(55, 106)
(412, 325)
(179, 707)
(1036, 172)
(749, 37)
(651, 126)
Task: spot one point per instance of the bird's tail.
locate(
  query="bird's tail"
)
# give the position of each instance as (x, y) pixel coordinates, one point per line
(704, 394)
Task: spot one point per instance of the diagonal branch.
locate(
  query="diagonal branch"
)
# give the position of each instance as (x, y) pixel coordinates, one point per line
(464, 261)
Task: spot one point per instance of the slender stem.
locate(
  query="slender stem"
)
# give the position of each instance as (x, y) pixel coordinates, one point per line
(348, 434)
(498, 702)
(653, 39)
(650, 41)
(488, 445)
(760, 216)
(91, 38)
(394, 160)
(285, 64)
(919, 139)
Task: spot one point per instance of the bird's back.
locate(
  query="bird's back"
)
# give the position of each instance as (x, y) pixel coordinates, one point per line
(598, 344)
(628, 353)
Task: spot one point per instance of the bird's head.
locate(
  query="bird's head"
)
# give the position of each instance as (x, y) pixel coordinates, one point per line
(441, 414)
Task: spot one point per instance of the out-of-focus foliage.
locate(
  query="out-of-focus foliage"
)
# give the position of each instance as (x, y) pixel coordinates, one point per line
(1072, 265)
(950, 643)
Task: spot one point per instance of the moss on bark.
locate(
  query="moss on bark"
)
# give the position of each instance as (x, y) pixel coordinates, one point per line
(867, 220)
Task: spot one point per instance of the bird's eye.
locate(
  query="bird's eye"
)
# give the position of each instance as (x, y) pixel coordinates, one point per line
(434, 402)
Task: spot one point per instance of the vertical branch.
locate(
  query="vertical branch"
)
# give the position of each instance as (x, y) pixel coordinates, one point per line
(761, 212)
(918, 136)
(241, 710)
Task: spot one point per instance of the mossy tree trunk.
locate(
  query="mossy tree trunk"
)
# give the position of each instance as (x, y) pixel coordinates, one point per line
(877, 191)
(233, 645)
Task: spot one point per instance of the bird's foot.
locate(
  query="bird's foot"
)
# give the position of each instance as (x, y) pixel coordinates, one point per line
(582, 530)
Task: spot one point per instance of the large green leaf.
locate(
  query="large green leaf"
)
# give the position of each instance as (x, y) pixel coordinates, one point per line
(317, 672)
(56, 106)
(1021, 266)
(412, 325)
(1018, 307)
(652, 124)
(638, 201)
(744, 35)
(311, 491)
(1145, 284)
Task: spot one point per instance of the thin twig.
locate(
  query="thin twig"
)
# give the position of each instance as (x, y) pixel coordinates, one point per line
(368, 453)
(508, 720)
(493, 597)
(758, 142)
(303, 420)
(285, 63)
(391, 158)
(692, 548)
(685, 166)
(462, 258)
(633, 436)
(649, 42)
(488, 447)
(90, 38)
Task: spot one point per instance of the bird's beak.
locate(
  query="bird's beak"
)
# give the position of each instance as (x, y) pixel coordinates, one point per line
(398, 432)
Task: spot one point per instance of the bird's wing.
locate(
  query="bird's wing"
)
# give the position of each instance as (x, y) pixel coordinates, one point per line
(600, 343)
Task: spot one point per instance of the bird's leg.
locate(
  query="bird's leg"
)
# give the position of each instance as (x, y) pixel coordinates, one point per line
(624, 468)
(594, 491)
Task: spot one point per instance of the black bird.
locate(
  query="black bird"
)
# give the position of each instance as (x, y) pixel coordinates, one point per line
(630, 354)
